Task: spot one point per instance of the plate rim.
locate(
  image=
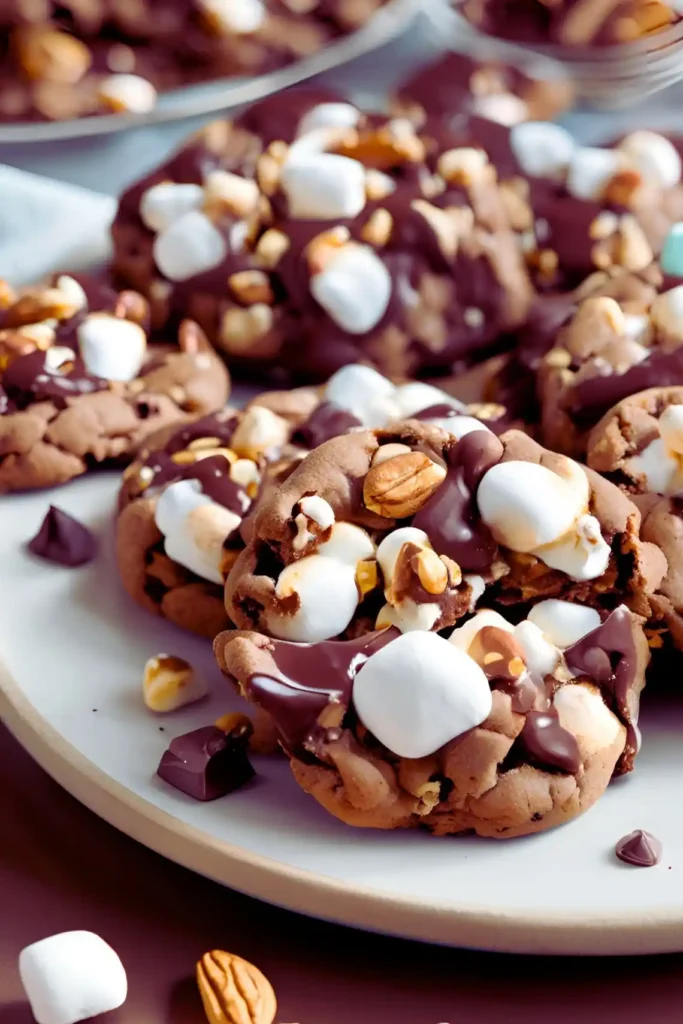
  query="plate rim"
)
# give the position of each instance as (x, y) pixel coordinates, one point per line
(308, 892)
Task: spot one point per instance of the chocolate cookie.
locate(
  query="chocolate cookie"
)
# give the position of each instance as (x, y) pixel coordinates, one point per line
(347, 237)
(410, 526)
(188, 502)
(79, 385)
(500, 730)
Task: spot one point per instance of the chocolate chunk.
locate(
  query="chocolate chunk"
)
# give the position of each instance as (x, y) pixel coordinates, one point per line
(639, 848)
(548, 743)
(450, 518)
(324, 423)
(64, 540)
(206, 763)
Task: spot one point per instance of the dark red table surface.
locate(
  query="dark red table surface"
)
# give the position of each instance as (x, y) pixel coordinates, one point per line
(62, 868)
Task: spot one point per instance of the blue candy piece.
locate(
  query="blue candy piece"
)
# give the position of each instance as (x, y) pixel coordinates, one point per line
(671, 260)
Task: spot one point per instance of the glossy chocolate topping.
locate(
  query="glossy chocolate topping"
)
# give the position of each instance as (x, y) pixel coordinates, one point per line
(206, 763)
(30, 379)
(450, 518)
(591, 398)
(639, 848)
(64, 540)
(546, 741)
(324, 423)
(311, 678)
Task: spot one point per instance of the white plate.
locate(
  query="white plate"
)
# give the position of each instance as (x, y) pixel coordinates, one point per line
(213, 97)
(72, 642)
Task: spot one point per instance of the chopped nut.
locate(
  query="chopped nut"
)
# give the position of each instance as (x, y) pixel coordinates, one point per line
(604, 225)
(450, 226)
(233, 991)
(388, 451)
(183, 457)
(622, 188)
(7, 294)
(132, 306)
(634, 251)
(486, 410)
(454, 571)
(272, 246)
(200, 443)
(558, 358)
(463, 166)
(45, 53)
(227, 194)
(170, 683)
(236, 723)
(364, 783)
(431, 571)
(324, 247)
(378, 185)
(259, 430)
(378, 229)
(228, 559)
(399, 487)
(268, 173)
(498, 652)
(251, 286)
(245, 472)
(367, 577)
(383, 148)
(242, 328)
(40, 304)
(209, 453)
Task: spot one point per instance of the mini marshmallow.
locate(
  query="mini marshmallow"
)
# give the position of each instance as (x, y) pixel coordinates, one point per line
(190, 246)
(591, 170)
(457, 426)
(354, 288)
(163, 204)
(504, 108)
(562, 622)
(324, 187)
(390, 548)
(671, 428)
(74, 292)
(328, 597)
(329, 115)
(194, 528)
(660, 469)
(463, 636)
(584, 714)
(420, 692)
(416, 396)
(666, 313)
(111, 347)
(582, 554)
(655, 157)
(319, 510)
(240, 17)
(347, 544)
(363, 392)
(540, 656)
(541, 148)
(72, 976)
(129, 94)
(57, 356)
(409, 616)
(260, 430)
(477, 584)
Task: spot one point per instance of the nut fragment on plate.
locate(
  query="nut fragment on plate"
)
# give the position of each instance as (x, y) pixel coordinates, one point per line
(233, 991)
(170, 683)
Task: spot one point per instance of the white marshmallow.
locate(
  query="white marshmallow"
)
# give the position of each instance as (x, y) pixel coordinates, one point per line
(409, 615)
(73, 291)
(363, 392)
(563, 623)
(660, 470)
(163, 204)
(319, 510)
(638, 328)
(194, 528)
(416, 396)
(328, 598)
(463, 636)
(259, 430)
(541, 148)
(666, 312)
(458, 426)
(582, 554)
(420, 692)
(238, 16)
(540, 657)
(347, 544)
(591, 170)
(390, 548)
(504, 108)
(655, 157)
(190, 245)
(56, 356)
(324, 187)
(329, 115)
(583, 712)
(72, 976)
(478, 586)
(128, 93)
(111, 347)
(671, 428)
(354, 288)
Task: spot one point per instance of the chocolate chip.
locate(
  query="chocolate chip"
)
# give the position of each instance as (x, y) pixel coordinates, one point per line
(64, 540)
(639, 848)
(206, 763)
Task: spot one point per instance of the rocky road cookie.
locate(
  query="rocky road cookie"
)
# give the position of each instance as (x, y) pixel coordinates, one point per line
(65, 60)
(410, 526)
(80, 386)
(502, 729)
(187, 503)
(347, 237)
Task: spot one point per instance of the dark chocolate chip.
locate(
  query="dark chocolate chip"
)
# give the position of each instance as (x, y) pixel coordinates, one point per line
(206, 763)
(548, 743)
(64, 540)
(639, 848)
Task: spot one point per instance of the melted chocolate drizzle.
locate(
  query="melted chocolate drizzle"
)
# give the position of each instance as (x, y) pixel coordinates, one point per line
(451, 518)
(546, 741)
(29, 379)
(325, 422)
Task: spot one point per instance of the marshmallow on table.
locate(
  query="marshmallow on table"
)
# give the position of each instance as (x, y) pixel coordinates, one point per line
(420, 692)
(111, 347)
(194, 528)
(72, 976)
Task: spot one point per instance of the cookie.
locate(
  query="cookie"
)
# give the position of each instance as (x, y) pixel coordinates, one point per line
(500, 730)
(62, 61)
(346, 238)
(80, 386)
(411, 527)
(187, 504)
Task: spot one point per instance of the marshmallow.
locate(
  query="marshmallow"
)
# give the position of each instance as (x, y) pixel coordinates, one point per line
(420, 692)
(166, 202)
(129, 94)
(319, 510)
(416, 396)
(540, 656)
(324, 187)
(348, 544)
(457, 426)
(666, 313)
(584, 714)
(477, 585)
(463, 636)
(354, 288)
(190, 246)
(504, 108)
(260, 430)
(562, 622)
(72, 976)
(194, 528)
(329, 115)
(363, 392)
(541, 148)
(74, 292)
(240, 17)
(659, 469)
(328, 597)
(409, 615)
(671, 428)
(591, 171)
(582, 554)
(671, 260)
(390, 548)
(638, 327)
(655, 157)
(111, 347)
(57, 356)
